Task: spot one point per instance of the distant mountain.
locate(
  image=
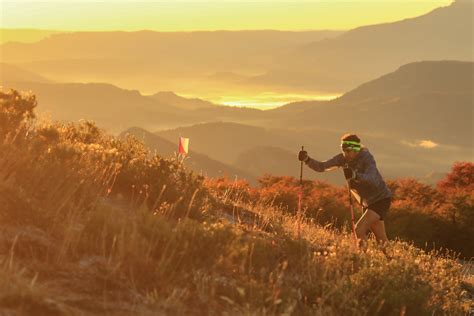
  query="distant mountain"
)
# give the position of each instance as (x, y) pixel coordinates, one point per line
(16, 74)
(426, 100)
(161, 146)
(295, 107)
(172, 98)
(24, 35)
(242, 115)
(225, 141)
(280, 162)
(361, 54)
(112, 108)
(444, 77)
(229, 141)
(223, 61)
(145, 60)
(221, 140)
(197, 162)
(416, 120)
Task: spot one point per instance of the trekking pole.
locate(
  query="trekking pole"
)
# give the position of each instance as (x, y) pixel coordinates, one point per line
(352, 213)
(300, 197)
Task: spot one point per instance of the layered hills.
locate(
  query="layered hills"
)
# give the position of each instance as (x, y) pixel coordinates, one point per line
(416, 119)
(425, 100)
(183, 61)
(361, 54)
(221, 62)
(199, 163)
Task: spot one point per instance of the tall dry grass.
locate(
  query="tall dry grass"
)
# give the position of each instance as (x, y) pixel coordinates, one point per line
(98, 217)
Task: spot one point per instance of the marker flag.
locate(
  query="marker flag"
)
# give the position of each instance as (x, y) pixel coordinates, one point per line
(183, 147)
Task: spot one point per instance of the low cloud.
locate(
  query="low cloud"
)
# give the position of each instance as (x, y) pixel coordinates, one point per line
(425, 143)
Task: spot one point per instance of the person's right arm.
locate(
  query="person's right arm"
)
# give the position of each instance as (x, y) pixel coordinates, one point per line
(321, 166)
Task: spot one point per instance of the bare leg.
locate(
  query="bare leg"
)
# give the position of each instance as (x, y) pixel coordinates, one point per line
(378, 228)
(365, 223)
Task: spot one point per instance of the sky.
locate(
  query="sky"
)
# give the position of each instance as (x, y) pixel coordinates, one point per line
(198, 15)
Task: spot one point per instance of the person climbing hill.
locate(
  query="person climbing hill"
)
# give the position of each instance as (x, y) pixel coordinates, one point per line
(365, 183)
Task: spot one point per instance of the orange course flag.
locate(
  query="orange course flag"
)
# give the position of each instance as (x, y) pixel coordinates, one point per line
(183, 145)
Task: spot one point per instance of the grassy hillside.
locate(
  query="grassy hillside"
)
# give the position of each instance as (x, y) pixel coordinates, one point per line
(98, 225)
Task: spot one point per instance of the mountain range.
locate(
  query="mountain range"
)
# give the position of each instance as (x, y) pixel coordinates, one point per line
(417, 118)
(199, 163)
(221, 62)
(177, 61)
(410, 91)
(425, 100)
(356, 56)
(24, 35)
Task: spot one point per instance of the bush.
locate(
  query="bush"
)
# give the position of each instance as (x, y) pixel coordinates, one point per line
(16, 111)
(83, 157)
(432, 217)
(321, 201)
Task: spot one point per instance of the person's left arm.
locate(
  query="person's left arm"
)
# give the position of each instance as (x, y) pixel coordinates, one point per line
(369, 174)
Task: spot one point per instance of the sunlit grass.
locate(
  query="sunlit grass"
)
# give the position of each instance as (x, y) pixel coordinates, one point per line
(97, 224)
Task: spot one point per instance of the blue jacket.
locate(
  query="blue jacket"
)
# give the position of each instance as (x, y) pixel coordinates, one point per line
(369, 186)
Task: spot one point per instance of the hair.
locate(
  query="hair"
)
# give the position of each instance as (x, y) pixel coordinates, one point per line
(350, 137)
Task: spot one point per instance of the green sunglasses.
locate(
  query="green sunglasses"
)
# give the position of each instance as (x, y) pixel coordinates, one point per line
(348, 145)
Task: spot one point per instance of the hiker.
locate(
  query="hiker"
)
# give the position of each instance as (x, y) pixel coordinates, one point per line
(365, 182)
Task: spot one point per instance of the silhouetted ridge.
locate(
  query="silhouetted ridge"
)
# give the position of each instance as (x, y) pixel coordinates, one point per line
(426, 100)
(417, 78)
(11, 73)
(173, 99)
